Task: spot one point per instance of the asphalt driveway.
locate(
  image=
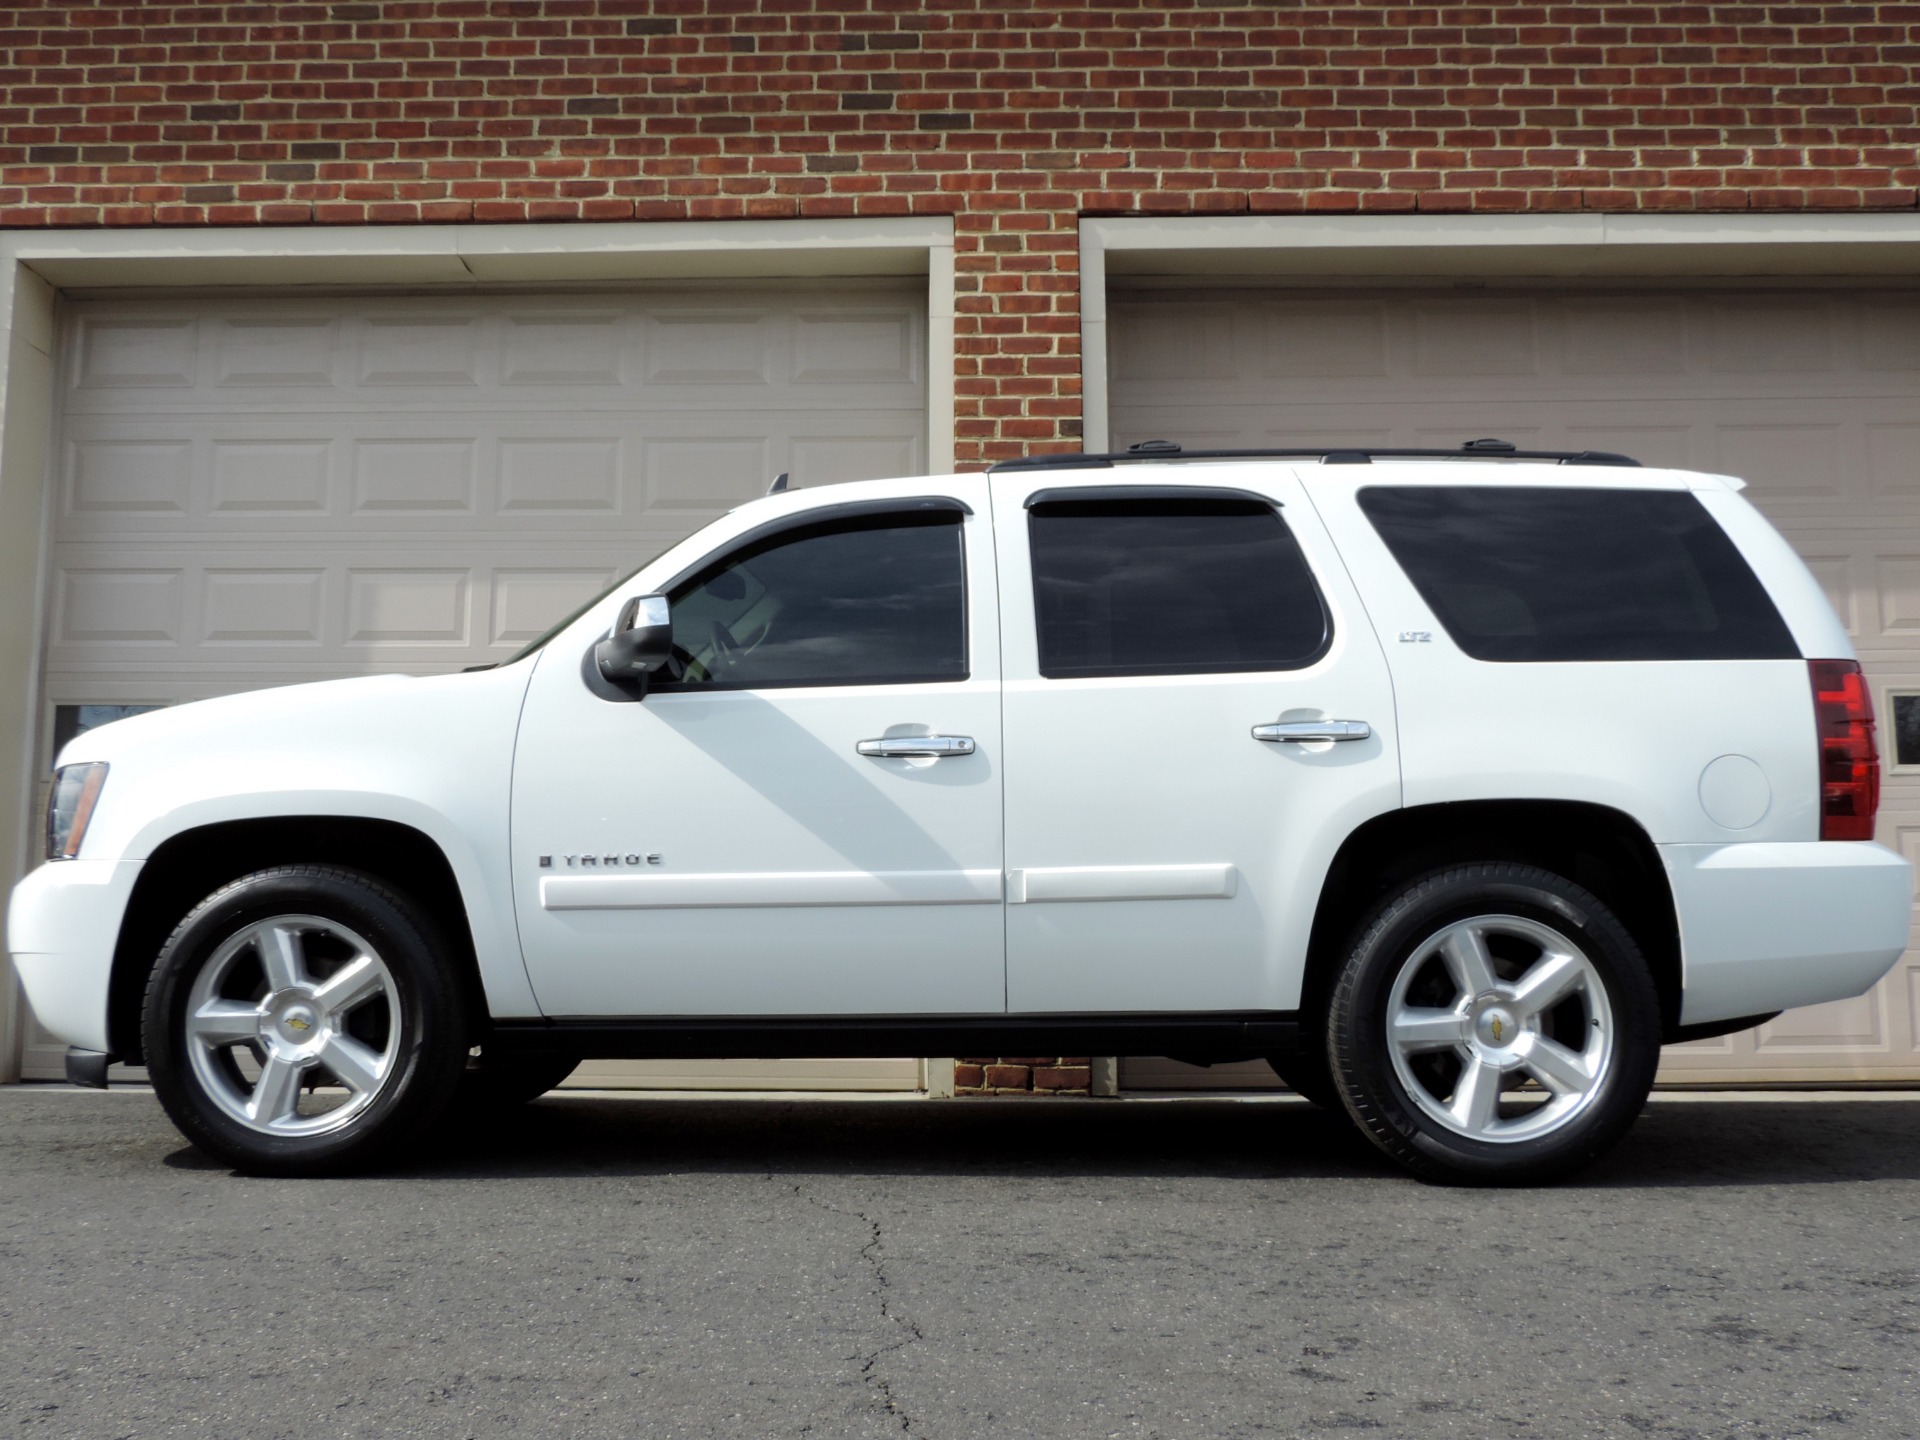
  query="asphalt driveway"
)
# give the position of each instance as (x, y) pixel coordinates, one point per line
(659, 1268)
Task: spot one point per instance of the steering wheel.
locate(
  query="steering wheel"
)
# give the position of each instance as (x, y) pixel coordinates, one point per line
(725, 648)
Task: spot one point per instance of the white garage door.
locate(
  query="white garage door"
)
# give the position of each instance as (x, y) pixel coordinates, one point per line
(1812, 395)
(266, 491)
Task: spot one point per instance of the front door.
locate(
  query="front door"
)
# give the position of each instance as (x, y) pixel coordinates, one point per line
(748, 838)
(1161, 857)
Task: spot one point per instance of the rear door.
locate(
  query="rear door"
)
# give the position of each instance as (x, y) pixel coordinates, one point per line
(1161, 857)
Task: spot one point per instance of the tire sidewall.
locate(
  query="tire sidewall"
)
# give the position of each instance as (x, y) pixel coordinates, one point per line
(429, 1057)
(1360, 1050)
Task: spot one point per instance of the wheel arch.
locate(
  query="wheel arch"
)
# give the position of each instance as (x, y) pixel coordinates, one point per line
(1599, 848)
(188, 866)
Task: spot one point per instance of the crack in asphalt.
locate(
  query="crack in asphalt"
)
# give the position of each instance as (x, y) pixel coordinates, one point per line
(875, 1255)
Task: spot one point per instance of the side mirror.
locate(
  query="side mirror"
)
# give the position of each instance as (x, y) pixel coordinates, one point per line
(639, 642)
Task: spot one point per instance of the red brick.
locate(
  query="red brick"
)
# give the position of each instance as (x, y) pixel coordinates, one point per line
(1062, 1077)
(719, 109)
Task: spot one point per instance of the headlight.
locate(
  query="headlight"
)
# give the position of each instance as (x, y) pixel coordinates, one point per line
(76, 790)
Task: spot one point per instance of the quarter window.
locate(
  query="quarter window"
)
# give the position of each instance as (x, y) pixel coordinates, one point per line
(1170, 586)
(1516, 573)
(876, 600)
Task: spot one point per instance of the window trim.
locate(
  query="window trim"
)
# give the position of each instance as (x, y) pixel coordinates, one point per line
(828, 516)
(1120, 494)
(817, 515)
(1112, 494)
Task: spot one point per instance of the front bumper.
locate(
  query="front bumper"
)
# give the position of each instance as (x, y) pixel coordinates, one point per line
(1769, 925)
(62, 927)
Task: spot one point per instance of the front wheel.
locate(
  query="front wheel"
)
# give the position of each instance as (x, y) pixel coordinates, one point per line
(298, 1023)
(1495, 1024)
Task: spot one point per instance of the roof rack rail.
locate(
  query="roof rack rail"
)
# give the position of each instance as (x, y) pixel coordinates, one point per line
(1151, 450)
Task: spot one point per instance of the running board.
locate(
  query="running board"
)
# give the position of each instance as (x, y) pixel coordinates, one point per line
(1213, 1038)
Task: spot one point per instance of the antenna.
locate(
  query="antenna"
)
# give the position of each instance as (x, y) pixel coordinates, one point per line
(779, 483)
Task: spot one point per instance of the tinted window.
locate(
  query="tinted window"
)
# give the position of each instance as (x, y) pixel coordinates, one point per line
(1170, 587)
(1524, 574)
(875, 601)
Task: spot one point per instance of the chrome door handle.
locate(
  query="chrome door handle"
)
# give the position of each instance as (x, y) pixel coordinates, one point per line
(1299, 732)
(917, 747)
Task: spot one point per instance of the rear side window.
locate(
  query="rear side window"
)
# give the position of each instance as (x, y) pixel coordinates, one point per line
(1170, 587)
(1536, 574)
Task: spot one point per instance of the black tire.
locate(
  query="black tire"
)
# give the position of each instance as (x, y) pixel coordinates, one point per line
(407, 1034)
(1499, 912)
(495, 1082)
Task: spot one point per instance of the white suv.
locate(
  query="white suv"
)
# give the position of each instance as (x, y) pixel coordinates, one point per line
(1455, 785)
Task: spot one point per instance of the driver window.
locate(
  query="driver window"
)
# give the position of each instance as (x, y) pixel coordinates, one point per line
(878, 600)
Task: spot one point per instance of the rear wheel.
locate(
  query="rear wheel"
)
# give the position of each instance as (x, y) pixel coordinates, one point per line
(1494, 1024)
(298, 1023)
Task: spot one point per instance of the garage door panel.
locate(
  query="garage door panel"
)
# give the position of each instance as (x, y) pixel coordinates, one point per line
(130, 609)
(1315, 340)
(278, 350)
(812, 458)
(1896, 588)
(859, 347)
(571, 350)
(1457, 338)
(434, 476)
(1889, 336)
(1798, 464)
(270, 491)
(1198, 429)
(1836, 569)
(322, 354)
(1651, 442)
(363, 479)
(1811, 396)
(126, 478)
(1791, 337)
(529, 601)
(1177, 349)
(1615, 340)
(156, 349)
(1857, 1024)
(1893, 458)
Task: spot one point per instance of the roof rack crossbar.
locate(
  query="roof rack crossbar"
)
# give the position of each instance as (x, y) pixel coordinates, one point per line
(1154, 451)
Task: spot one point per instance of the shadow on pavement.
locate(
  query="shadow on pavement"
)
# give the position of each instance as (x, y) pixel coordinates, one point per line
(1674, 1144)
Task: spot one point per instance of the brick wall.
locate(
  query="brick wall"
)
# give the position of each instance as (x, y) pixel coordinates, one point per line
(1017, 117)
(1023, 1075)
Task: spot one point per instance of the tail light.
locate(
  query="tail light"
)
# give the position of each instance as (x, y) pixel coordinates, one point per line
(1849, 760)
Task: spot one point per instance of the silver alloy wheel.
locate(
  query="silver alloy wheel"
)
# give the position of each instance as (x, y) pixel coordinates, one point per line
(1522, 993)
(301, 980)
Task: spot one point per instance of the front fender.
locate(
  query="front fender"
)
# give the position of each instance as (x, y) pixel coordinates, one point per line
(479, 869)
(433, 754)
